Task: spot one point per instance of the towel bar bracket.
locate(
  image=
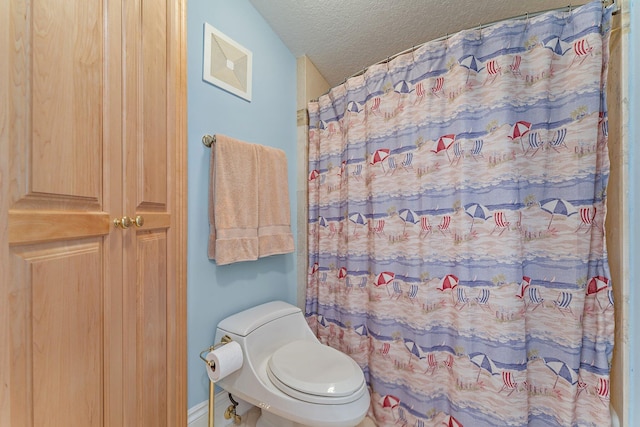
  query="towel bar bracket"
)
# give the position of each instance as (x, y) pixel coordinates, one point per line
(208, 140)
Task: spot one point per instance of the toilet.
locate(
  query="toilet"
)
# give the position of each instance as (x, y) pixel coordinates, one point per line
(293, 378)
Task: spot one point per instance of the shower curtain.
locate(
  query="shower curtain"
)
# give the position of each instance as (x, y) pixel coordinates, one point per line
(457, 200)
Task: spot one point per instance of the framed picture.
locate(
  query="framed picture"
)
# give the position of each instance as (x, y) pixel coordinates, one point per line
(226, 63)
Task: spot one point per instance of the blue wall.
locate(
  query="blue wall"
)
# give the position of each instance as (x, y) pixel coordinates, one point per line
(269, 119)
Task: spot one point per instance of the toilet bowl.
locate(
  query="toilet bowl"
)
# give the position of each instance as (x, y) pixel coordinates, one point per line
(293, 378)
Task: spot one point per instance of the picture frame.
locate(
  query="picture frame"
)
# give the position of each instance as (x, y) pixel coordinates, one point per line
(227, 64)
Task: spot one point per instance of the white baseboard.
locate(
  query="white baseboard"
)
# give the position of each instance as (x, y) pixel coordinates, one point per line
(198, 415)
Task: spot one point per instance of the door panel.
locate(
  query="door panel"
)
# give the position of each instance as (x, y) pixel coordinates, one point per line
(152, 194)
(66, 98)
(55, 104)
(56, 329)
(152, 328)
(67, 297)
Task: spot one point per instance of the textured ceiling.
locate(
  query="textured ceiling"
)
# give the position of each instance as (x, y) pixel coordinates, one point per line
(342, 37)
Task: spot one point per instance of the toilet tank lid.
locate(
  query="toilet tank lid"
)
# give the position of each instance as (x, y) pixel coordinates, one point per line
(245, 322)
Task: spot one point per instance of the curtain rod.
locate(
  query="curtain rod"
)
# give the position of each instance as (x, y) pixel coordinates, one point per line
(527, 15)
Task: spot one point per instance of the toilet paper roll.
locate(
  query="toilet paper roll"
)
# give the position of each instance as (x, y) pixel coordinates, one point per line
(226, 360)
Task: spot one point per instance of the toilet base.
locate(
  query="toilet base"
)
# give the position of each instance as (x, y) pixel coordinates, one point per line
(269, 419)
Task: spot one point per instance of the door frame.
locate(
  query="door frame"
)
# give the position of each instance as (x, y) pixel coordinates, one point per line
(179, 218)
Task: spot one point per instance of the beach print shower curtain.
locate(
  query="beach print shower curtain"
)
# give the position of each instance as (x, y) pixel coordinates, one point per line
(457, 199)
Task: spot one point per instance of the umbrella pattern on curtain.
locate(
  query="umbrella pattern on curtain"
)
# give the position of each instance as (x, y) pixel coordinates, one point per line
(472, 286)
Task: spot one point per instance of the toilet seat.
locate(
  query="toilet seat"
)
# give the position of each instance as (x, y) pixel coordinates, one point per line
(315, 373)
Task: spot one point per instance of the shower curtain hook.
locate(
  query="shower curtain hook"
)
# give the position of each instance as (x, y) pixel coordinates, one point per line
(388, 59)
(413, 49)
(568, 17)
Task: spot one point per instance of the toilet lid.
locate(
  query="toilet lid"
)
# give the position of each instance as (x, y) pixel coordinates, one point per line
(311, 368)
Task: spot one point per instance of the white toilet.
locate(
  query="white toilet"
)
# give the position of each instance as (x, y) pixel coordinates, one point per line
(289, 374)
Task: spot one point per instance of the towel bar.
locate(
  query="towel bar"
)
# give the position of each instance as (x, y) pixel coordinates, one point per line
(208, 140)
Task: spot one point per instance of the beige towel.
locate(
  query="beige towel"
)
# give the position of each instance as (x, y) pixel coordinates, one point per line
(274, 214)
(233, 201)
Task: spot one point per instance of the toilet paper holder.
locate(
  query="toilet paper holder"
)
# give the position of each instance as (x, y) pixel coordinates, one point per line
(226, 339)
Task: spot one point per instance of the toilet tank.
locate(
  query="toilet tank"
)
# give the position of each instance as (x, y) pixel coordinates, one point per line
(263, 329)
(245, 322)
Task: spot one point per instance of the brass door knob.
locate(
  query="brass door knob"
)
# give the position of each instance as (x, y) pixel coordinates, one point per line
(126, 222)
(138, 221)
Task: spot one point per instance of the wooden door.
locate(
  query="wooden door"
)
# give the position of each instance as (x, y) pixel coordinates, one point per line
(149, 269)
(92, 318)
